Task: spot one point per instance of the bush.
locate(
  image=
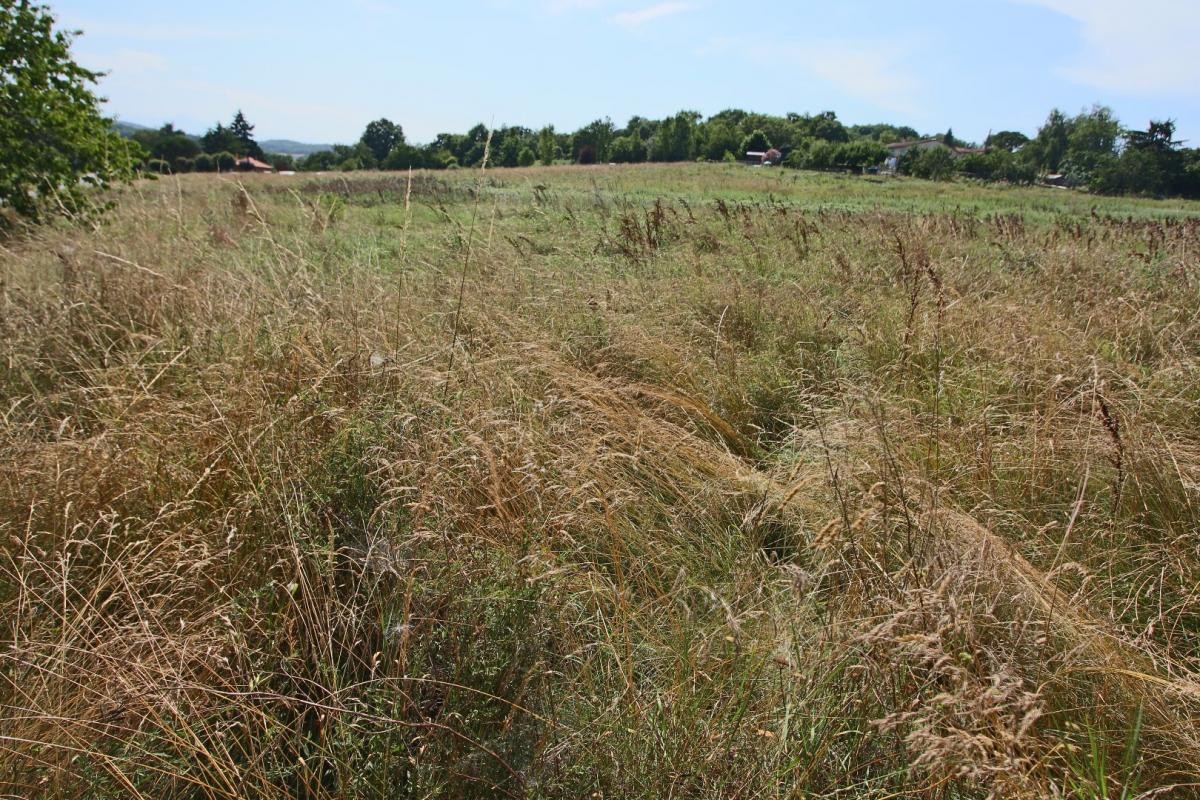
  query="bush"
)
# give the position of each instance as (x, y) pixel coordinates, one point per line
(526, 158)
(995, 165)
(181, 164)
(226, 161)
(158, 166)
(860, 154)
(205, 163)
(935, 164)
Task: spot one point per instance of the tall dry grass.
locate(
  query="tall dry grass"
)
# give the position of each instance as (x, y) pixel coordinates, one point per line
(313, 489)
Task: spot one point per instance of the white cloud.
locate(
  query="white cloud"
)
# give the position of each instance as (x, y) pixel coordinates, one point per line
(1147, 46)
(871, 70)
(635, 19)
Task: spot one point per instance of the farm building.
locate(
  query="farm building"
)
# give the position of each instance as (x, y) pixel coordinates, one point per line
(251, 164)
(768, 158)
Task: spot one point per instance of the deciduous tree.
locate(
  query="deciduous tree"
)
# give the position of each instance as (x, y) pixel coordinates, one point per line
(54, 143)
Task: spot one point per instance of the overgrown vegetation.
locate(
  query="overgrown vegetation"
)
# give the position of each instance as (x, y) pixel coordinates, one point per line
(628, 482)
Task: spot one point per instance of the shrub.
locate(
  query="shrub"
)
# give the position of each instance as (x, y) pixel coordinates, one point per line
(935, 164)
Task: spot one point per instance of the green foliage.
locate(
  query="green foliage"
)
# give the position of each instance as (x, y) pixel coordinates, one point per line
(237, 138)
(821, 154)
(402, 156)
(675, 138)
(243, 132)
(526, 158)
(55, 147)
(205, 163)
(822, 126)
(997, 164)
(1011, 141)
(756, 142)
(219, 139)
(226, 161)
(381, 136)
(1048, 149)
(859, 155)
(934, 163)
(547, 146)
(591, 143)
(721, 138)
(320, 161)
(167, 143)
(627, 150)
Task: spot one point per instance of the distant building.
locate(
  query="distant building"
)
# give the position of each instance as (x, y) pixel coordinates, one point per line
(251, 164)
(764, 158)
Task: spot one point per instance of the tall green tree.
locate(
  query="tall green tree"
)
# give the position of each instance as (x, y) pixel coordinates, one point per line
(1048, 149)
(381, 136)
(54, 143)
(547, 145)
(591, 142)
(243, 131)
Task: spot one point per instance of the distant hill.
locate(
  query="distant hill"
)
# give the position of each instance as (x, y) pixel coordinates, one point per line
(128, 129)
(286, 147)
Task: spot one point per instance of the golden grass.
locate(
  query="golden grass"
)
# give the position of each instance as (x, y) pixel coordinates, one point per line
(616, 482)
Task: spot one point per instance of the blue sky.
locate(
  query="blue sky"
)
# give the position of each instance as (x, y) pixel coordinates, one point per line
(318, 71)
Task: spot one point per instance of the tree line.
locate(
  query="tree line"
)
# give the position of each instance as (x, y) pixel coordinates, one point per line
(56, 145)
(1091, 150)
(170, 150)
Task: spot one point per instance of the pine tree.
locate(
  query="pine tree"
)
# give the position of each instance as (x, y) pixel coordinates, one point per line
(244, 132)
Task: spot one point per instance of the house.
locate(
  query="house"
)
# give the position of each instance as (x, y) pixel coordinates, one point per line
(760, 158)
(251, 164)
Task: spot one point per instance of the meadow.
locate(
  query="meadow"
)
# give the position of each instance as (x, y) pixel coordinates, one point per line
(692, 481)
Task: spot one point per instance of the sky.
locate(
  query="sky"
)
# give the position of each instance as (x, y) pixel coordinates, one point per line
(320, 71)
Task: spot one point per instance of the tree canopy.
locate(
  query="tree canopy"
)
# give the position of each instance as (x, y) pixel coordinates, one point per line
(54, 142)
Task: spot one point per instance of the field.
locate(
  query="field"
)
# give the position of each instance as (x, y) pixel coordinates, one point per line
(692, 481)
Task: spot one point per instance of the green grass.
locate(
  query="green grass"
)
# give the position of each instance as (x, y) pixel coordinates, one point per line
(656, 481)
